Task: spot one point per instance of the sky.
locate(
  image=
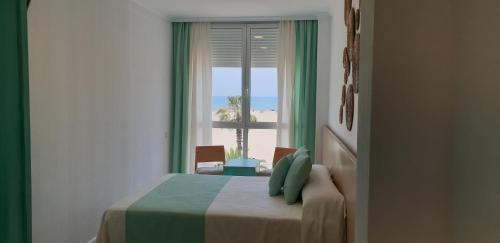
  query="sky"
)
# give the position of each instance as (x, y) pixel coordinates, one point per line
(227, 82)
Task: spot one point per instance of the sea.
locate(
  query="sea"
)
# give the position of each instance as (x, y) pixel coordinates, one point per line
(259, 103)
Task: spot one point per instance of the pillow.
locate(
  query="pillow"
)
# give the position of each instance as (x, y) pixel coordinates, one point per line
(296, 178)
(322, 202)
(278, 175)
(302, 150)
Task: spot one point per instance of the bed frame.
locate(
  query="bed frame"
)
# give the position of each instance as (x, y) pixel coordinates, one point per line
(342, 164)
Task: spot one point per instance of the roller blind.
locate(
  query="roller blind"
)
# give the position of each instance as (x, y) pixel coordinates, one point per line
(227, 46)
(264, 47)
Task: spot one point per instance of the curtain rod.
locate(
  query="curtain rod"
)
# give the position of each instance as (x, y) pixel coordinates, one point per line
(240, 19)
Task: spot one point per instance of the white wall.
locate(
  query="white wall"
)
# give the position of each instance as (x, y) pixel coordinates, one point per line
(409, 152)
(431, 145)
(429, 114)
(150, 75)
(365, 121)
(323, 79)
(476, 167)
(338, 42)
(99, 110)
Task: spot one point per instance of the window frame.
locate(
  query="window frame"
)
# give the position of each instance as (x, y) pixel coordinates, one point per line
(246, 78)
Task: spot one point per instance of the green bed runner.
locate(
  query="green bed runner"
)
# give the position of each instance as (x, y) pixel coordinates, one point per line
(174, 211)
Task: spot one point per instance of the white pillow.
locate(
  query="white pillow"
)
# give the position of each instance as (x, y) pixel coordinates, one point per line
(323, 208)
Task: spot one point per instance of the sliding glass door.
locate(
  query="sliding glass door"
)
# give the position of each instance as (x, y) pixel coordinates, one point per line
(244, 92)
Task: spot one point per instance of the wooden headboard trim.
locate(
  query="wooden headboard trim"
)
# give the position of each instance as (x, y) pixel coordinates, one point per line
(342, 164)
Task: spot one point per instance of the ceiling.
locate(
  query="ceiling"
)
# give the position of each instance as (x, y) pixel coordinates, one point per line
(236, 8)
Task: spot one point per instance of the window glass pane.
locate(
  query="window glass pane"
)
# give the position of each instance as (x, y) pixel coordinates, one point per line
(227, 46)
(261, 144)
(264, 74)
(264, 98)
(230, 138)
(226, 94)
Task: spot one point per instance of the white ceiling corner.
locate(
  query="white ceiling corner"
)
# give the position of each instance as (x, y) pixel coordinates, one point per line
(236, 8)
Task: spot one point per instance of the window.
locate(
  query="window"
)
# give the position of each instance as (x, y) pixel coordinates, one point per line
(244, 92)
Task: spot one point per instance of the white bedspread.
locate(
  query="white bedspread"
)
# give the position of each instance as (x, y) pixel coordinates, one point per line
(243, 212)
(323, 213)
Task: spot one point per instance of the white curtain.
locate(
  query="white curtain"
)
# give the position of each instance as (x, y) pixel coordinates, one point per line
(200, 90)
(286, 73)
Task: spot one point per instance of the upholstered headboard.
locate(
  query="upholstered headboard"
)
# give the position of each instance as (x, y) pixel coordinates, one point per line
(342, 165)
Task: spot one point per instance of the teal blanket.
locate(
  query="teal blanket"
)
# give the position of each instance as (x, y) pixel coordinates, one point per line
(174, 211)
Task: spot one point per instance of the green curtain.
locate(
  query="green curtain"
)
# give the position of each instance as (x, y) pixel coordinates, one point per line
(181, 35)
(15, 178)
(304, 95)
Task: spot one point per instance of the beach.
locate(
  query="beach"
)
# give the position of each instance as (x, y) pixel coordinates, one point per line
(261, 142)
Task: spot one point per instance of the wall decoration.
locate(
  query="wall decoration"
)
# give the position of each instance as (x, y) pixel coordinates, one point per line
(351, 32)
(347, 10)
(349, 107)
(347, 65)
(358, 19)
(350, 61)
(343, 95)
(355, 64)
(342, 104)
(345, 58)
(341, 114)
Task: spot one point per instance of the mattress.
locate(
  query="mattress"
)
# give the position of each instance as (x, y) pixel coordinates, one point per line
(223, 209)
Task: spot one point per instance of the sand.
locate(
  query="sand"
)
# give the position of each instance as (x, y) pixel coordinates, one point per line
(261, 142)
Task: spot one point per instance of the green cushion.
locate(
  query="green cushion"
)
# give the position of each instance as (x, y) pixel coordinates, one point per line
(301, 151)
(296, 178)
(279, 174)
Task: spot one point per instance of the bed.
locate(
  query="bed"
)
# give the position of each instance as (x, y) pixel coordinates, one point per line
(226, 209)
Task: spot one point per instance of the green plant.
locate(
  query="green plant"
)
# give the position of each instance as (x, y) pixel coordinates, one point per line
(232, 113)
(233, 154)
